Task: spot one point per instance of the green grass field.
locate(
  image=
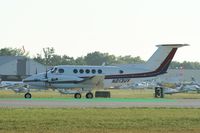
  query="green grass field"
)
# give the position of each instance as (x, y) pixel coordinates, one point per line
(100, 120)
(114, 94)
(129, 120)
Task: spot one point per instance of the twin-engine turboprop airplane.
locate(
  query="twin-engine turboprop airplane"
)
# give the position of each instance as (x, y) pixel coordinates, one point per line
(88, 77)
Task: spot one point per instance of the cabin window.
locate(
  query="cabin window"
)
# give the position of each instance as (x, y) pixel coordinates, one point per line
(99, 71)
(81, 71)
(87, 71)
(121, 71)
(75, 70)
(61, 70)
(93, 71)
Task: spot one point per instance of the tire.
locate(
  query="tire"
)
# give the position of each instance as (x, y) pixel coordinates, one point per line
(89, 95)
(27, 95)
(77, 95)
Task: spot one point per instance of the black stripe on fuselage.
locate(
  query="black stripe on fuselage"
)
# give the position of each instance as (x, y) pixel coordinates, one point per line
(61, 82)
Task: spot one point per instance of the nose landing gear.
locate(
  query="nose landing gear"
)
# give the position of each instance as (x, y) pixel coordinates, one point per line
(27, 95)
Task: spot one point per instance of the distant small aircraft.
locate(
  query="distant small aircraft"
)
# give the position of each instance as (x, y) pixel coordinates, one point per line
(88, 77)
(171, 91)
(18, 87)
(183, 87)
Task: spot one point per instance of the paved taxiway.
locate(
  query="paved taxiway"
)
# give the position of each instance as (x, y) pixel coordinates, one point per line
(99, 103)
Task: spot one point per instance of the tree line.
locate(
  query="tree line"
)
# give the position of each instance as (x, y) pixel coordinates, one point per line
(95, 58)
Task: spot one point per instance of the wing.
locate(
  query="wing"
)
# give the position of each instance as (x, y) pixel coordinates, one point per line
(83, 82)
(95, 81)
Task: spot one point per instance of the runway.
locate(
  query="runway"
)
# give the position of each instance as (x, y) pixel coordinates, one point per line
(97, 103)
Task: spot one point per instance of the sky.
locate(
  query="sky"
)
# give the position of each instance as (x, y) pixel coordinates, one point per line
(119, 27)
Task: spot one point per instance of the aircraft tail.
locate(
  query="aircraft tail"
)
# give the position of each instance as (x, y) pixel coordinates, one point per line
(163, 56)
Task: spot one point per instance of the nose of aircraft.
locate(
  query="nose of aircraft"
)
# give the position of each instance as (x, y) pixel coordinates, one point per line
(35, 78)
(36, 81)
(31, 79)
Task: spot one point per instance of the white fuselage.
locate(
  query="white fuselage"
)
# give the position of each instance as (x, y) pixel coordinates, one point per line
(65, 76)
(77, 76)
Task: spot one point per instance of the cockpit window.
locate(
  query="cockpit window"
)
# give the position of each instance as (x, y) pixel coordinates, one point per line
(54, 70)
(61, 70)
(50, 69)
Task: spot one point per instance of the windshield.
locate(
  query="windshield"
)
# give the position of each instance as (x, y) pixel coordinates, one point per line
(54, 70)
(50, 69)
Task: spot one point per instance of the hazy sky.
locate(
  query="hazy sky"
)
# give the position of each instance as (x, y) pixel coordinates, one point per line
(119, 27)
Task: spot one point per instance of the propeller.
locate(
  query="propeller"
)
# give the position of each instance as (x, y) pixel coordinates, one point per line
(45, 75)
(46, 79)
(36, 70)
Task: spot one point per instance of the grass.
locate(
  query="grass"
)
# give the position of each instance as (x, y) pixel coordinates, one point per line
(114, 94)
(151, 120)
(99, 120)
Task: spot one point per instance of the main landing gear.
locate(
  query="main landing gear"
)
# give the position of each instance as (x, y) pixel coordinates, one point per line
(77, 95)
(27, 95)
(88, 95)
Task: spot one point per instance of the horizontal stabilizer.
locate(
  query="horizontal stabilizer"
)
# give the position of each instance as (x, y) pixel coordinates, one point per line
(172, 45)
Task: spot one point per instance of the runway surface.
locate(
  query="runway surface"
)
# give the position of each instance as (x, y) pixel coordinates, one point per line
(97, 103)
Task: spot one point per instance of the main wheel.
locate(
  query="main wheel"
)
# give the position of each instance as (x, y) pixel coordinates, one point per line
(27, 95)
(77, 95)
(89, 95)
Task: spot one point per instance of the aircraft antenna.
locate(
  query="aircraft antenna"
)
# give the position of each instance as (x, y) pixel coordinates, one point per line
(46, 60)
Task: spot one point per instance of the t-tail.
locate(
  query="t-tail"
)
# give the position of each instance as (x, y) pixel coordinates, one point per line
(161, 59)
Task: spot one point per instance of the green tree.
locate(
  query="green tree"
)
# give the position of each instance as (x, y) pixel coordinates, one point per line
(175, 65)
(129, 60)
(39, 59)
(66, 60)
(51, 59)
(13, 52)
(185, 65)
(80, 61)
(48, 53)
(46, 60)
(95, 58)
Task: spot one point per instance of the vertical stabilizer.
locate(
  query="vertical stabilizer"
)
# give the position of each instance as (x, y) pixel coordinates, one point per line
(163, 56)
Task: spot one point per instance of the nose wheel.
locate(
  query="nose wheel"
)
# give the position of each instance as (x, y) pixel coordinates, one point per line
(27, 95)
(77, 95)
